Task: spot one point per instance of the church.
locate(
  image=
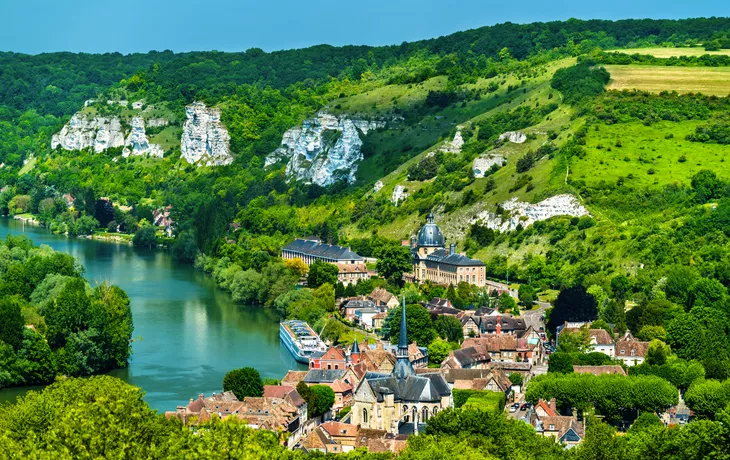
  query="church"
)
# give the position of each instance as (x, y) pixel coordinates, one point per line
(433, 262)
(400, 401)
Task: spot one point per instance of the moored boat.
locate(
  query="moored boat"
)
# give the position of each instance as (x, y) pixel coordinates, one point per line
(300, 339)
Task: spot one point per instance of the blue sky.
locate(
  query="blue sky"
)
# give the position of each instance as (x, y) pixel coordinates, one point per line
(34, 26)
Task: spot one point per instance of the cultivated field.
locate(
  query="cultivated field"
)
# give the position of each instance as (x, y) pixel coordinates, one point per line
(671, 52)
(705, 80)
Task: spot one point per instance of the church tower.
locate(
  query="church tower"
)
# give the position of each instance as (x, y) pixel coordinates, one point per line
(403, 367)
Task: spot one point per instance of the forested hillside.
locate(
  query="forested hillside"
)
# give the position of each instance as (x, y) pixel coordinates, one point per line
(564, 161)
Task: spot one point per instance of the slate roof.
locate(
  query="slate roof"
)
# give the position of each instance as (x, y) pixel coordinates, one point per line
(324, 375)
(360, 304)
(414, 388)
(508, 323)
(443, 257)
(321, 250)
(430, 235)
(470, 356)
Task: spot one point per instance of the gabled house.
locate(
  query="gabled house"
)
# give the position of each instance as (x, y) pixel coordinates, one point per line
(470, 325)
(507, 348)
(474, 357)
(382, 298)
(631, 351)
(502, 324)
(496, 381)
(333, 358)
(546, 420)
(600, 340)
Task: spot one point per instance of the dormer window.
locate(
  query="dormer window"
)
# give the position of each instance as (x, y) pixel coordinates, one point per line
(623, 352)
(552, 427)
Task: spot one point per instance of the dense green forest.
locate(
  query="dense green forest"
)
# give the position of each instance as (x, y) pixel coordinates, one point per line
(53, 322)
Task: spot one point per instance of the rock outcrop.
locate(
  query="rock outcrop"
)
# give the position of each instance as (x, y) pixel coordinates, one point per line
(455, 145)
(324, 149)
(525, 214)
(481, 165)
(83, 132)
(378, 185)
(515, 137)
(205, 141)
(399, 194)
(137, 142)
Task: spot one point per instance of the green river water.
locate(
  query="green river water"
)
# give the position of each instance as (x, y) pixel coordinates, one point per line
(187, 332)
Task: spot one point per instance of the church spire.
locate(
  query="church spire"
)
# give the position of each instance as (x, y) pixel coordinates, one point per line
(403, 367)
(403, 339)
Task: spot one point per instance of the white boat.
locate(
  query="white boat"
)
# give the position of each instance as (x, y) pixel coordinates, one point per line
(300, 339)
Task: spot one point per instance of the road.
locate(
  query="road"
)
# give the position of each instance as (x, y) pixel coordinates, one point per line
(534, 317)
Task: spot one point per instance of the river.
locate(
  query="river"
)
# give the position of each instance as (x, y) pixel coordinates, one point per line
(187, 332)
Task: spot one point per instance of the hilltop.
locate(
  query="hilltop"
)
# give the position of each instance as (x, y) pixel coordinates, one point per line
(492, 129)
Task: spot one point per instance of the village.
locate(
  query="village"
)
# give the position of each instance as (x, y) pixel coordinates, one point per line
(385, 392)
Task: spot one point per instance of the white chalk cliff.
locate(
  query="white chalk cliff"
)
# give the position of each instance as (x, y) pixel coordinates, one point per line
(482, 164)
(399, 194)
(525, 214)
(205, 141)
(515, 137)
(83, 132)
(316, 156)
(137, 143)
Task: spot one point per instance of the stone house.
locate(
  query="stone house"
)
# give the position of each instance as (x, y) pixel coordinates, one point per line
(631, 351)
(474, 357)
(600, 340)
(382, 298)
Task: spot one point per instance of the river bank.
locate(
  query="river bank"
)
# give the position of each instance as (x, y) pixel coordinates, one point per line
(188, 332)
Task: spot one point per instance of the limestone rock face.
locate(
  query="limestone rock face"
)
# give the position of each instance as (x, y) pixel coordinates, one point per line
(324, 149)
(83, 132)
(481, 165)
(515, 137)
(455, 145)
(525, 214)
(378, 185)
(137, 142)
(205, 141)
(399, 194)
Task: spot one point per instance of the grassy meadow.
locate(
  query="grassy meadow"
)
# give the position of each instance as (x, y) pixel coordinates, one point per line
(654, 155)
(714, 81)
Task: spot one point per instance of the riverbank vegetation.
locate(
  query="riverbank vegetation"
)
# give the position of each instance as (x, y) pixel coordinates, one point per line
(53, 322)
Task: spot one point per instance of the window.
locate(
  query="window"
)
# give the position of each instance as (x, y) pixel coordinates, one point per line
(424, 414)
(329, 366)
(552, 427)
(364, 415)
(623, 352)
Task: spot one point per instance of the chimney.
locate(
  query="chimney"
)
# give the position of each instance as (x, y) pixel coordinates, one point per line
(553, 404)
(498, 326)
(452, 249)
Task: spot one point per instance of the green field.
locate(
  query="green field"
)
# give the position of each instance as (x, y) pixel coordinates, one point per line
(647, 157)
(706, 80)
(671, 52)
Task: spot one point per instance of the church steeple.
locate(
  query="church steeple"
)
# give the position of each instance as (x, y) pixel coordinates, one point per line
(403, 367)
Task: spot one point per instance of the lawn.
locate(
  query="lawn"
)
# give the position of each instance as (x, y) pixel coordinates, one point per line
(706, 80)
(649, 156)
(671, 52)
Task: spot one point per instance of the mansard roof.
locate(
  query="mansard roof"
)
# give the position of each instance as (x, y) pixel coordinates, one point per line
(321, 250)
(413, 388)
(443, 257)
